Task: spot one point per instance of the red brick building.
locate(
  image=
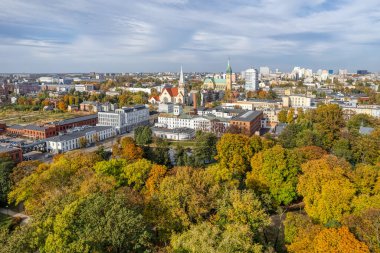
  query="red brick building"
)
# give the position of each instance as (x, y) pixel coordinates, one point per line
(14, 153)
(52, 129)
(63, 125)
(248, 122)
(32, 131)
(3, 128)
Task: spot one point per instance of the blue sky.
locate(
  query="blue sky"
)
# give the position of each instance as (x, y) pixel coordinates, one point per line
(161, 35)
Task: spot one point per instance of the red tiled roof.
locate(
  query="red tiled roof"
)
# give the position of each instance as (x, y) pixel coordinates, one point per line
(157, 98)
(173, 92)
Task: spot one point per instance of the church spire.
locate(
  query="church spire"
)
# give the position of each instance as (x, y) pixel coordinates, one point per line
(229, 69)
(181, 82)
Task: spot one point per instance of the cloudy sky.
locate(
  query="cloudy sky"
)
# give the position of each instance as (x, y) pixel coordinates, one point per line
(160, 35)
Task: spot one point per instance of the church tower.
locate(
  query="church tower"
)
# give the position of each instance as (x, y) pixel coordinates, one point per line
(181, 87)
(229, 76)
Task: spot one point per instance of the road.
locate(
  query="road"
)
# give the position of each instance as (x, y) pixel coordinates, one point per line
(25, 218)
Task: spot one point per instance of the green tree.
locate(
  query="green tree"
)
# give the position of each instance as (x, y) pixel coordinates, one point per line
(6, 166)
(275, 171)
(205, 148)
(136, 174)
(98, 223)
(282, 116)
(143, 135)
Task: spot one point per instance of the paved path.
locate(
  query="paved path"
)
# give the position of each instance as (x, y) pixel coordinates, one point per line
(25, 218)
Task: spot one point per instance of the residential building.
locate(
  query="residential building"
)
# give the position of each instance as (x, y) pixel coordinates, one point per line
(297, 101)
(248, 122)
(72, 139)
(84, 87)
(125, 118)
(165, 107)
(251, 79)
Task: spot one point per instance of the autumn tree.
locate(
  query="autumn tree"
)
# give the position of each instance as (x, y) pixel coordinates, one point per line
(338, 240)
(98, 223)
(275, 171)
(126, 148)
(234, 153)
(318, 185)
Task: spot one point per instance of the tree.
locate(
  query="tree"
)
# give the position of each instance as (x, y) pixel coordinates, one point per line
(366, 227)
(185, 197)
(98, 223)
(181, 157)
(136, 174)
(338, 240)
(126, 148)
(320, 182)
(342, 148)
(290, 116)
(328, 121)
(62, 106)
(275, 171)
(205, 148)
(24, 169)
(288, 137)
(83, 142)
(205, 238)
(161, 152)
(156, 175)
(282, 116)
(6, 166)
(143, 135)
(234, 153)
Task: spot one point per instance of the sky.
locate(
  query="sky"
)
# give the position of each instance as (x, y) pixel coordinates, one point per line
(161, 35)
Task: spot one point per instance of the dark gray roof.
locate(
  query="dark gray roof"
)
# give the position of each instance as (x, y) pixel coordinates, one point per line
(247, 116)
(35, 128)
(16, 127)
(7, 149)
(74, 120)
(77, 134)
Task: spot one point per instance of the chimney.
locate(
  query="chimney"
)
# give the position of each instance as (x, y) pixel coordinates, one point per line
(195, 101)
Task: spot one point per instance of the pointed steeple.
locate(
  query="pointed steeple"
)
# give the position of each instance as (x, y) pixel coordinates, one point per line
(229, 69)
(181, 82)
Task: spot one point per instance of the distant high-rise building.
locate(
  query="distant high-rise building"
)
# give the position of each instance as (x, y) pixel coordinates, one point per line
(251, 79)
(342, 72)
(264, 71)
(331, 72)
(362, 72)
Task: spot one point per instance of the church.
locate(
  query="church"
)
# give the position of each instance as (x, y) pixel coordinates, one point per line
(219, 84)
(176, 95)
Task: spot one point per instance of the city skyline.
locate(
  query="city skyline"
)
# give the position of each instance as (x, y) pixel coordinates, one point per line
(161, 35)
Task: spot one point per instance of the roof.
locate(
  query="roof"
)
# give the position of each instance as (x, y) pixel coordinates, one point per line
(247, 116)
(173, 92)
(157, 98)
(174, 131)
(75, 120)
(78, 134)
(365, 130)
(7, 149)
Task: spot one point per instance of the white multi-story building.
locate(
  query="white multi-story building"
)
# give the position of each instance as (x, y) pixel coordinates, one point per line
(124, 119)
(72, 140)
(297, 101)
(251, 79)
(205, 123)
